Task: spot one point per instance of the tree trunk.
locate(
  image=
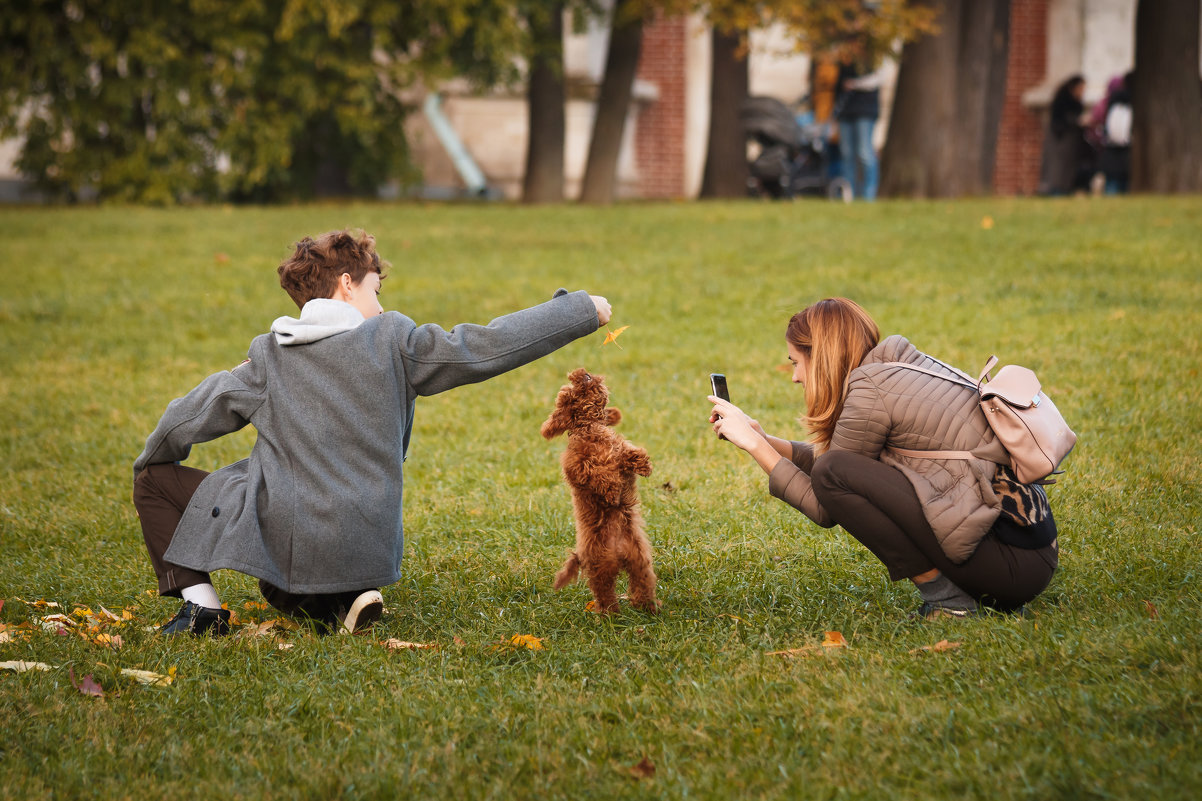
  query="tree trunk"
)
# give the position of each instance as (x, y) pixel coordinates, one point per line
(917, 160)
(613, 102)
(1166, 104)
(543, 181)
(947, 109)
(725, 173)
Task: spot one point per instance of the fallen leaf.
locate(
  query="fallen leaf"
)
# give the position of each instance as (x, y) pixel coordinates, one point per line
(394, 644)
(644, 770)
(805, 650)
(942, 645)
(39, 604)
(1151, 608)
(113, 641)
(527, 641)
(85, 685)
(149, 677)
(110, 615)
(459, 640)
(221, 258)
(1, 604)
(834, 639)
(612, 336)
(21, 667)
(4, 635)
(285, 646)
(987, 222)
(591, 606)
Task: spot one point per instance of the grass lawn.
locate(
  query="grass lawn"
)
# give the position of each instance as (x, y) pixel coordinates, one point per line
(107, 314)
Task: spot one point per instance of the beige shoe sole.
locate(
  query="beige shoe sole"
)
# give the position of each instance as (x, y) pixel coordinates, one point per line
(365, 611)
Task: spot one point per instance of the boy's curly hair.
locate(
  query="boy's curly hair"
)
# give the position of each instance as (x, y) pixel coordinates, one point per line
(313, 270)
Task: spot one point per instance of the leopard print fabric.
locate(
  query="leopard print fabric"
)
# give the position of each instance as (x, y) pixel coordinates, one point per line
(1025, 504)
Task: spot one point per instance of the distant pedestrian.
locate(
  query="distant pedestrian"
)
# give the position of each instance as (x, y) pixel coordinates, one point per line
(857, 108)
(1064, 169)
(1114, 152)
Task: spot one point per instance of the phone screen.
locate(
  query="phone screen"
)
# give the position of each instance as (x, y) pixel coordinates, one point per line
(718, 383)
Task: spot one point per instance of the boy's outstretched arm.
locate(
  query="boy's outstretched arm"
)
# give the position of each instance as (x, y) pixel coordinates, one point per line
(437, 360)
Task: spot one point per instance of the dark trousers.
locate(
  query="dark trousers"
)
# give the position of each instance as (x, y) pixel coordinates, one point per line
(161, 494)
(877, 505)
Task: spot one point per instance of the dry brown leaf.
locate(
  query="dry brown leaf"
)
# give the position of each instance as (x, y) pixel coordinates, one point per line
(86, 685)
(459, 640)
(394, 644)
(1151, 609)
(942, 645)
(643, 770)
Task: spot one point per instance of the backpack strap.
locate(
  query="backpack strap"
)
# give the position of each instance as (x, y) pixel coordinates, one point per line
(961, 378)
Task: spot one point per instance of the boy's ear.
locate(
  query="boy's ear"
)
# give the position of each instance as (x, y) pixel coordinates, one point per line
(556, 424)
(612, 416)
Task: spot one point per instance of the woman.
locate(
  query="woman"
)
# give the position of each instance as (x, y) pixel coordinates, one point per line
(963, 530)
(1064, 167)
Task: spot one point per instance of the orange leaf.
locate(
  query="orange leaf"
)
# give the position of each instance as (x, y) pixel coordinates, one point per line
(834, 639)
(1152, 611)
(527, 641)
(591, 606)
(644, 770)
(393, 644)
(612, 336)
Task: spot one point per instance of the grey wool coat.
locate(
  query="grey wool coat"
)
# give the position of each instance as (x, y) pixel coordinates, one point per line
(316, 508)
(888, 406)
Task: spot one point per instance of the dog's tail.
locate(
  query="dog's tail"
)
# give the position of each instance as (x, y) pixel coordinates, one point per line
(567, 574)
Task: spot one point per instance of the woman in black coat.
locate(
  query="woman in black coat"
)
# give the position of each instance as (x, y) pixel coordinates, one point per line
(1064, 167)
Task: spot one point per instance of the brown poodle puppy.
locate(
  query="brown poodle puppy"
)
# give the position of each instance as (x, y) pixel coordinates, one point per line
(600, 466)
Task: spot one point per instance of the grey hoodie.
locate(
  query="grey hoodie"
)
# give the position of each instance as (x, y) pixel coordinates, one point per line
(317, 506)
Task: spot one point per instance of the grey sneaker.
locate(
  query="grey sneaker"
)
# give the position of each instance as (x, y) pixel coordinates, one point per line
(930, 611)
(365, 610)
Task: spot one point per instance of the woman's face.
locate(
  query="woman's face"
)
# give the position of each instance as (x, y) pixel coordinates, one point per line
(801, 364)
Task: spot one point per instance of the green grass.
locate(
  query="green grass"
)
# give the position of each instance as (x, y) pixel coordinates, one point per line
(107, 314)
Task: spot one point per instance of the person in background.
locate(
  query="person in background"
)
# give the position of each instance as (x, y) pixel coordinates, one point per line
(963, 530)
(858, 105)
(1064, 165)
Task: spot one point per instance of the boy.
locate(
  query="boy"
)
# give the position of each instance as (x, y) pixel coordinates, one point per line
(315, 511)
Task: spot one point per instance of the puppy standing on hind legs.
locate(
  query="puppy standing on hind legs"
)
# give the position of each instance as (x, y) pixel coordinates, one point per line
(600, 467)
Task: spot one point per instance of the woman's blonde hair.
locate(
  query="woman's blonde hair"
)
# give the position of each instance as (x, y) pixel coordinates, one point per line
(834, 335)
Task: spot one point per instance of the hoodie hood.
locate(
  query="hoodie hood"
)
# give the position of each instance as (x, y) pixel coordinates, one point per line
(320, 318)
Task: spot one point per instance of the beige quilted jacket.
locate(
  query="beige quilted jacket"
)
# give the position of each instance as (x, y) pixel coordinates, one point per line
(895, 407)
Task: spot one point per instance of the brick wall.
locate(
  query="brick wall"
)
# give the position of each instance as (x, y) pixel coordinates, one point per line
(660, 132)
(1020, 139)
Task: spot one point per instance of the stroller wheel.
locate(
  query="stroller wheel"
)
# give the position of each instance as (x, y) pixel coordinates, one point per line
(839, 189)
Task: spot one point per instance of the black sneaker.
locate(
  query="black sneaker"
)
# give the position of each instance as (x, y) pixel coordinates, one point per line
(198, 621)
(930, 611)
(365, 610)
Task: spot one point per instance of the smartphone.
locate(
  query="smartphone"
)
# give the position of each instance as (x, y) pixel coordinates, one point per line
(718, 384)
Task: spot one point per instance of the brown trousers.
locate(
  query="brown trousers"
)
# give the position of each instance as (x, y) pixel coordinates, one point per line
(161, 494)
(877, 505)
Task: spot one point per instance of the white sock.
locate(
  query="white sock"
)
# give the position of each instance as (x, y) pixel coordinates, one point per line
(202, 595)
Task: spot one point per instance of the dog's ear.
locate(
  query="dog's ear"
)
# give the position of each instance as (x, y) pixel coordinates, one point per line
(558, 423)
(612, 416)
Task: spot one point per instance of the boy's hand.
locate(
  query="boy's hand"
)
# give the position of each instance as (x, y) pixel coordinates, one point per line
(603, 309)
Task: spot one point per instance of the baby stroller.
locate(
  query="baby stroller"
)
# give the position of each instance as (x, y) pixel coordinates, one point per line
(792, 159)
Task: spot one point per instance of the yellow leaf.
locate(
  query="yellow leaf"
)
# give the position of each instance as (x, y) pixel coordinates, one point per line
(21, 667)
(148, 677)
(612, 336)
(834, 639)
(987, 222)
(527, 641)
